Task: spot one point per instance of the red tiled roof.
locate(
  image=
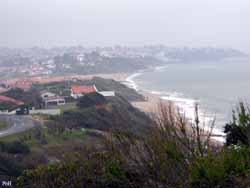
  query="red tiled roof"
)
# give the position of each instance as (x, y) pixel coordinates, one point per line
(10, 100)
(83, 89)
(22, 85)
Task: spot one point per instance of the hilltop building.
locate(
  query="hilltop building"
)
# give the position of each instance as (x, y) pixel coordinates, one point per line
(107, 93)
(79, 91)
(47, 94)
(24, 84)
(53, 101)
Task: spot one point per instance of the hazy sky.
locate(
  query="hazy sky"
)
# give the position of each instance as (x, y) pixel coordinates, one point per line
(223, 23)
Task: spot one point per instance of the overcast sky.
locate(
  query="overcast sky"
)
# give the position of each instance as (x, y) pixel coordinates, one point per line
(222, 23)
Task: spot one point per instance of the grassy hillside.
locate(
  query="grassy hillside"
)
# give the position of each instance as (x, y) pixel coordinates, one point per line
(106, 142)
(78, 130)
(3, 125)
(116, 113)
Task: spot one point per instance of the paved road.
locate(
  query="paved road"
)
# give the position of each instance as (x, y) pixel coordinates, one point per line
(18, 124)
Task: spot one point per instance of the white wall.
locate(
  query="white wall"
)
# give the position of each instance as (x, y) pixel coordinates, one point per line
(107, 93)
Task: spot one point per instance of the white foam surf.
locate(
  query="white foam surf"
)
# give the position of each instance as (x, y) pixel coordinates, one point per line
(187, 108)
(160, 68)
(130, 82)
(185, 105)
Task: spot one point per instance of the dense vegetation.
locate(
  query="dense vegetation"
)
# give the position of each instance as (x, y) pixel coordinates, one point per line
(96, 112)
(92, 99)
(169, 156)
(6, 106)
(106, 142)
(238, 130)
(3, 125)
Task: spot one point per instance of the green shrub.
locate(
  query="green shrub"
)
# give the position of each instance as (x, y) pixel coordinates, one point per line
(238, 130)
(9, 167)
(15, 147)
(91, 100)
(100, 170)
(217, 169)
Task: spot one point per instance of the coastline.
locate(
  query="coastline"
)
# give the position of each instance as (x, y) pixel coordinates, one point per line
(154, 98)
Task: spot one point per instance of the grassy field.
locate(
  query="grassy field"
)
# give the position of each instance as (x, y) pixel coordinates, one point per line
(4, 125)
(36, 138)
(48, 148)
(68, 106)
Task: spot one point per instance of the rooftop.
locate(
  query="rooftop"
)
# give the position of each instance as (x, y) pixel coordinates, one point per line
(83, 89)
(10, 100)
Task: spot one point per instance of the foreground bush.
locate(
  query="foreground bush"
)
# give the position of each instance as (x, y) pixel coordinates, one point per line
(220, 169)
(9, 167)
(175, 154)
(227, 167)
(15, 147)
(238, 130)
(100, 170)
(161, 158)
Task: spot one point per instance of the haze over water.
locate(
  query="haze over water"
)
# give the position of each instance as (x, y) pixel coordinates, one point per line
(217, 86)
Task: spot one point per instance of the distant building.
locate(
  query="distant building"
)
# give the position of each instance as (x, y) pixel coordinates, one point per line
(46, 94)
(79, 91)
(53, 101)
(107, 93)
(22, 84)
(80, 57)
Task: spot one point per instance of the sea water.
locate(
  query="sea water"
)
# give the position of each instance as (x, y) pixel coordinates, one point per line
(217, 86)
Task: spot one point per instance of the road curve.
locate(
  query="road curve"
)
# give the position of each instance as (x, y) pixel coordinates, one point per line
(18, 124)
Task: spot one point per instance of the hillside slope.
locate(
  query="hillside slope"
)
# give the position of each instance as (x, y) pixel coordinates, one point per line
(117, 113)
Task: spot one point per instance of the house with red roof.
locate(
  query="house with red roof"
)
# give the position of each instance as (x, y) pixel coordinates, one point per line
(79, 91)
(22, 84)
(4, 99)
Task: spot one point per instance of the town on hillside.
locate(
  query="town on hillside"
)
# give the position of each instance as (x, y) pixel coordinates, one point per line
(46, 101)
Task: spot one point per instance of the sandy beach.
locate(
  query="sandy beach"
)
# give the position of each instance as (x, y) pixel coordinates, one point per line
(151, 104)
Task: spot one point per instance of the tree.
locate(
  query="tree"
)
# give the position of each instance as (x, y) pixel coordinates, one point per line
(238, 130)
(91, 100)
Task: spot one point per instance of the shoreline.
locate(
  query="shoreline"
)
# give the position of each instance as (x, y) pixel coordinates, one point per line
(154, 98)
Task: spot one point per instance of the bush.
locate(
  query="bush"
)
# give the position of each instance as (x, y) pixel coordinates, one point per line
(15, 147)
(161, 158)
(238, 130)
(98, 170)
(174, 154)
(7, 106)
(91, 100)
(9, 167)
(219, 169)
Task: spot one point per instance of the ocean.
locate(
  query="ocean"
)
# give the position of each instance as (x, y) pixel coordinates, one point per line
(216, 86)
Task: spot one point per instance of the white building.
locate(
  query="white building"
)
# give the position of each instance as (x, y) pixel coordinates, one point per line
(107, 93)
(46, 94)
(54, 101)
